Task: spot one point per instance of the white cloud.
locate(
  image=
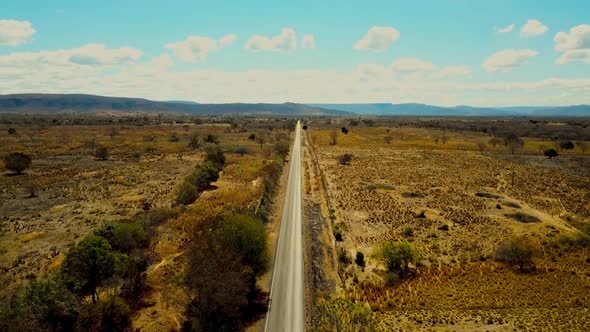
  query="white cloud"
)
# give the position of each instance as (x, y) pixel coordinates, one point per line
(575, 44)
(412, 65)
(574, 55)
(451, 72)
(194, 48)
(505, 29)
(377, 39)
(308, 41)
(227, 40)
(151, 81)
(285, 41)
(533, 28)
(506, 60)
(87, 55)
(371, 70)
(13, 33)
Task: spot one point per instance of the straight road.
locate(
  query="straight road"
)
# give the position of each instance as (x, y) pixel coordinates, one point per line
(285, 311)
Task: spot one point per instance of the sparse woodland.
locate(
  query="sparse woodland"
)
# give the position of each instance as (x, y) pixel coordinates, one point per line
(99, 231)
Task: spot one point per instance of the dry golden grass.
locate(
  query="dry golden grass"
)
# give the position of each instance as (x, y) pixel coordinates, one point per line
(431, 188)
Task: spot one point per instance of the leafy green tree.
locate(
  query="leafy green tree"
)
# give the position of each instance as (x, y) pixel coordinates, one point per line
(281, 149)
(11, 131)
(123, 236)
(218, 281)
(89, 264)
(247, 236)
(17, 162)
(396, 256)
(201, 178)
(110, 314)
(194, 141)
(211, 138)
(41, 306)
(550, 153)
(215, 156)
(567, 145)
(518, 251)
(187, 193)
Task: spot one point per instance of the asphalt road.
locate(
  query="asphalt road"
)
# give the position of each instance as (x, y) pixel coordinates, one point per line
(286, 292)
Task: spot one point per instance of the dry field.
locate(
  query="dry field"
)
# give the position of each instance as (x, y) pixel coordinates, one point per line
(76, 193)
(456, 205)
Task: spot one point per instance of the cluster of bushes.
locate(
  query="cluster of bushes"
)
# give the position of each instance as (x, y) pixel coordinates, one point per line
(114, 258)
(271, 175)
(226, 256)
(397, 257)
(202, 177)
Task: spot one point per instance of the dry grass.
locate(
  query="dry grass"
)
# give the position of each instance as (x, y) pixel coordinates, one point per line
(78, 194)
(460, 204)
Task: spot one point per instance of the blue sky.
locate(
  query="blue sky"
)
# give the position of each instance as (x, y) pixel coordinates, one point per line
(437, 52)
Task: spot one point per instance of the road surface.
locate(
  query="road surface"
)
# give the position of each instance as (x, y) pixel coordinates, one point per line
(286, 292)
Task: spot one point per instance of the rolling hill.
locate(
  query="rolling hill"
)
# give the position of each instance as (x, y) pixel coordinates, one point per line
(56, 103)
(430, 110)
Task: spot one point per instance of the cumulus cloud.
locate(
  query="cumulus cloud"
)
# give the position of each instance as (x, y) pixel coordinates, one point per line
(194, 48)
(505, 29)
(285, 41)
(451, 72)
(308, 41)
(533, 28)
(506, 60)
(13, 33)
(574, 45)
(377, 39)
(412, 65)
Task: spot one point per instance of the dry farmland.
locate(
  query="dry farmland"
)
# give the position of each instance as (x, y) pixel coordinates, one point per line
(67, 193)
(456, 204)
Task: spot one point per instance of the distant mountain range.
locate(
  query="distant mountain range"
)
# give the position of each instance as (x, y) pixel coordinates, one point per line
(430, 110)
(59, 103)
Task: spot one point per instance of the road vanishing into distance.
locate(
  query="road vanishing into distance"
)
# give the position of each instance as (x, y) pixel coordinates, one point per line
(286, 292)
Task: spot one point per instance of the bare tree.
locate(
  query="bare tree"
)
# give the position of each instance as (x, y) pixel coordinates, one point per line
(436, 138)
(444, 139)
(481, 146)
(494, 141)
(388, 138)
(333, 137)
(513, 142)
(583, 146)
(260, 139)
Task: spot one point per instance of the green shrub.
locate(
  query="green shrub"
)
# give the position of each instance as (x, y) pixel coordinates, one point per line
(518, 251)
(111, 314)
(101, 153)
(89, 264)
(123, 237)
(17, 162)
(360, 259)
(215, 156)
(187, 193)
(396, 256)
